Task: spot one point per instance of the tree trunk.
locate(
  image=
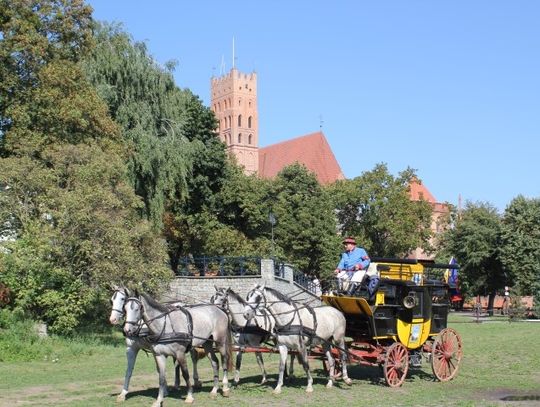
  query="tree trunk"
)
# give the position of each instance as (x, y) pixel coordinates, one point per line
(491, 303)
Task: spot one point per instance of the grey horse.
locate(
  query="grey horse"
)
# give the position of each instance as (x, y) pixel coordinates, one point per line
(175, 331)
(140, 341)
(252, 333)
(299, 326)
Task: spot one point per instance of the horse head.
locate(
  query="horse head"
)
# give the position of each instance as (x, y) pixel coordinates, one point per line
(255, 299)
(220, 297)
(133, 309)
(118, 300)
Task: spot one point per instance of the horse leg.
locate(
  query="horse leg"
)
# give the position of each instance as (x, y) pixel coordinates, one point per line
(331, 365)
(344, 360)
(195, 359)
(215, 367)
(260, 362)
(181, 358)
(131, 355)
(283, 354)
(302, 357)
(176, 375)
(160, 366)
(237, 367)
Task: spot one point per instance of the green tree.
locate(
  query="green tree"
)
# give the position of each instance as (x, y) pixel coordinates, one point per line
(65, 196)
(153, 114)
(306, 226)
(475, 240)
(521, 245)
(376, 208)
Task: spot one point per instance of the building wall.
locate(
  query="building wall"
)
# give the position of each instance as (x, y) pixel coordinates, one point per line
(196, 290)
(234, 102)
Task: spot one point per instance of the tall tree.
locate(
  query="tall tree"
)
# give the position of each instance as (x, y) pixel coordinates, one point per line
(377, 209)
(306, 227)
(475, 240)
(153, 114)
(520, 245)
(64, 193)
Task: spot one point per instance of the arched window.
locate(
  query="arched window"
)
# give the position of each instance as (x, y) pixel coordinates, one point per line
(239, 120)
(230, 121)
(249, 122)
(239, 138)
(249, 139)
(230, 140)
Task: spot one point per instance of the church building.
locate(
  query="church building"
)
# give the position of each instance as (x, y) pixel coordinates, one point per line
(234, 102)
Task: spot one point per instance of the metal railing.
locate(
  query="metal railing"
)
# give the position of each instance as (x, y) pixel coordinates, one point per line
(210, 266)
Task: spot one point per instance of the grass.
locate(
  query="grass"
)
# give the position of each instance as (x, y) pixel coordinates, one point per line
(501, 363)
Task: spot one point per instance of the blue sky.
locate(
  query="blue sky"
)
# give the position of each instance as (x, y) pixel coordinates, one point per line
(449, 88)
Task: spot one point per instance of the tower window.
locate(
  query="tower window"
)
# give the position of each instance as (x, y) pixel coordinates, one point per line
(249, 122)
(239, 138)
(239, 120)
(249, 139)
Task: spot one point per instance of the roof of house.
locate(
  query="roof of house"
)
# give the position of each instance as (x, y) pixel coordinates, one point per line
(418, 192)
(312, 150)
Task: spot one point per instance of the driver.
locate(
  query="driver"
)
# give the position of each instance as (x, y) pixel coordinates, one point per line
(353, 259)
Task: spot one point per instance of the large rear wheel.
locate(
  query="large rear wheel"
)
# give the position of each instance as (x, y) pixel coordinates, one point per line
(446, 354)
(396, 364)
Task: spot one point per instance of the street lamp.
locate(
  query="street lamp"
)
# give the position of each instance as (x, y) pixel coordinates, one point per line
(272, 220)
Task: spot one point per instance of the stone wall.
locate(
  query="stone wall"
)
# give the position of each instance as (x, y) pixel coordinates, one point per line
(195, 290)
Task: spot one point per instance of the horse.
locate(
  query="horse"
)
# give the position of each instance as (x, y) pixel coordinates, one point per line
(298, 326)
(175, 331)
(247, 333)
(140, 340)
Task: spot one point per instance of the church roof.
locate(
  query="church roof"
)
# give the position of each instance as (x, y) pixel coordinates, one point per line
(312, 150)
(418, 192)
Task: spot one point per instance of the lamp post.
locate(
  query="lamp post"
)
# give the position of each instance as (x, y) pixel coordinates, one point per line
(272, 220)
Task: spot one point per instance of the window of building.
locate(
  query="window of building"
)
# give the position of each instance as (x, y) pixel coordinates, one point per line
(239, 138)
(249, 139)
(249, 122)
(239, 120)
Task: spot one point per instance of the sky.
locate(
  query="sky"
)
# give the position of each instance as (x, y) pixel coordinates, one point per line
(450, 88)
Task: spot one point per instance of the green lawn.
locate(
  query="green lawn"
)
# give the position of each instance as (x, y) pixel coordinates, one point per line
(501, 365)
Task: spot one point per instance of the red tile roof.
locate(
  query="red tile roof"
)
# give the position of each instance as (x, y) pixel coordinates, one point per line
(418, 192)
(312, 150)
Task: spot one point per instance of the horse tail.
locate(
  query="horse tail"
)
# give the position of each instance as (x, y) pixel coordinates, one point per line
(229, 347)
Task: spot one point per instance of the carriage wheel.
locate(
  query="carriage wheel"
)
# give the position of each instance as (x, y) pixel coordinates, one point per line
(446, 353)
(396, 364)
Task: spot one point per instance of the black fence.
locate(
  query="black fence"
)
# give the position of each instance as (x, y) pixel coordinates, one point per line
(225, 266)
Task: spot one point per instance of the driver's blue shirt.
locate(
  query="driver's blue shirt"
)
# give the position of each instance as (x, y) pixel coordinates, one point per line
(355, 256)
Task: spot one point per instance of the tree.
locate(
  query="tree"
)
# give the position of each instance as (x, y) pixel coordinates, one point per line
(520, 245)
(377, 209)
(475, 241)
(306, 226)
(153, 114)
(65, 195)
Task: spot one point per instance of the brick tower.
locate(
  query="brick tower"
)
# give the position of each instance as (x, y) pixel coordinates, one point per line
(234, 102)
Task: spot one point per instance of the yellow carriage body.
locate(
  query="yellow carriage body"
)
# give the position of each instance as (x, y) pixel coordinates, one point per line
(408, 308)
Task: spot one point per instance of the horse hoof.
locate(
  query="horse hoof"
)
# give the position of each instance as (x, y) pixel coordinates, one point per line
(213, 395)
(329, 385)
(156, 404)
(120, 398)
(197, 385)
(263, 381)
(189, 400)
(277, 391)
(348, 381)
(309, 389)
(226, 393)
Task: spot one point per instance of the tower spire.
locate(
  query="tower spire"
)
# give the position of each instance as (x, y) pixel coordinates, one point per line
(233, 65)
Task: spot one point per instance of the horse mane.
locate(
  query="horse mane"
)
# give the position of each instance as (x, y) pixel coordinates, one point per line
(237, 297)
(279, 295)
(154, 304)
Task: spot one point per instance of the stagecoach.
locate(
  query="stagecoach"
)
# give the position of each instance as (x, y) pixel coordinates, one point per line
(402, 324)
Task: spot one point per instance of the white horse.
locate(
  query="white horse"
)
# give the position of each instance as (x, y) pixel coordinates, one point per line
(175, 331)
(139, 341)
(247, 333)
(298, 326)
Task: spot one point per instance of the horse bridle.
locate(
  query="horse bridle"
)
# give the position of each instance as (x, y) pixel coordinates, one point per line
(120, 311)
